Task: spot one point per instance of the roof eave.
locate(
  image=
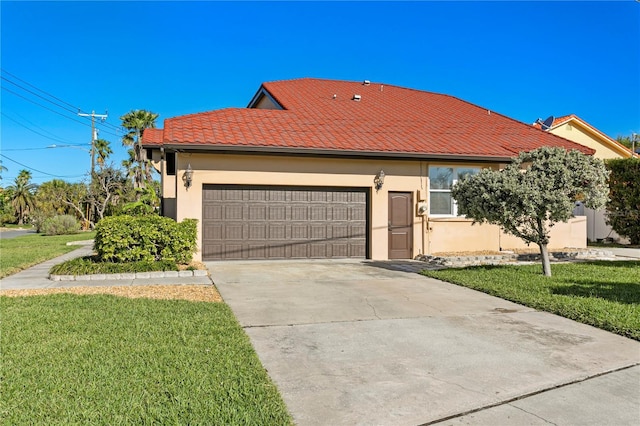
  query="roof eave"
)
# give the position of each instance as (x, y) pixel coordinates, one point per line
(182, 147)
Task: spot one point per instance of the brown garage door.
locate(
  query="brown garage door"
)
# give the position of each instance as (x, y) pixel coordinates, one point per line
(259, 222)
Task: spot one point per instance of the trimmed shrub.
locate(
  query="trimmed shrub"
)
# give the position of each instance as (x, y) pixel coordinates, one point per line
(145, 238)
(623, 208)
(60, 225)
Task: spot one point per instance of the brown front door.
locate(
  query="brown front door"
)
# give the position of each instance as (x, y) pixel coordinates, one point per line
(400, 225)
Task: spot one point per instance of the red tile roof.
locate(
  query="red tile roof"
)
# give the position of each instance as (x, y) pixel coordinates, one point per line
(321, 115)
(153, 136)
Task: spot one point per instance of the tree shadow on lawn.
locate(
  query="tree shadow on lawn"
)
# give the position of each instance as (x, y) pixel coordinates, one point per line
(616, 289)
(621, 292)
(614, 264)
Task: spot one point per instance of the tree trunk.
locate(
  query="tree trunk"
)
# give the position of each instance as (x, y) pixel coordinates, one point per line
(546, 263)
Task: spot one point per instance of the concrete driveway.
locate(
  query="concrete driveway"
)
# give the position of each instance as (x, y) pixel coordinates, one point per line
(355, 342)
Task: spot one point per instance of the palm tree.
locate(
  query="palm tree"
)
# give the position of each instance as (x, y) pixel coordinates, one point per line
(22, 198)
(103, 150)
(2, 169)
(136, 121)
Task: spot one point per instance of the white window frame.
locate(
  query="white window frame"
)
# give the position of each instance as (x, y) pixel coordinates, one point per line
(455, 178)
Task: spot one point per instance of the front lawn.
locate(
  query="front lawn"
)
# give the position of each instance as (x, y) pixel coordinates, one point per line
(600, 293)
(25, 251)
(100, 359)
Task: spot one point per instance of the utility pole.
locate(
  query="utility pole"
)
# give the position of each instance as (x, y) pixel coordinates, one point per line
(94, 137)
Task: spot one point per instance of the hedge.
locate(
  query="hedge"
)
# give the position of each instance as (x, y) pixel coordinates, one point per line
(624, 198)
(145, 238)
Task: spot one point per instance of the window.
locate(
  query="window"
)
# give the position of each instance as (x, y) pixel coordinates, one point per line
(171, 163)
(441, 180)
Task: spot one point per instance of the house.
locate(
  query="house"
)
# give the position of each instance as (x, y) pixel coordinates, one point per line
(577, 130)
(315, 168)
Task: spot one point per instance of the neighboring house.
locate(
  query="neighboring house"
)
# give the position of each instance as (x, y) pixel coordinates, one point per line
(577, 130)
(321, 169)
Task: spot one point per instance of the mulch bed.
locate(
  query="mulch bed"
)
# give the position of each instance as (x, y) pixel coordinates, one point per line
(194, 293)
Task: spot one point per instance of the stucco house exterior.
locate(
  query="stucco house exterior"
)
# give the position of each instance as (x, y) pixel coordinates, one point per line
(577, 130)
(315, 168)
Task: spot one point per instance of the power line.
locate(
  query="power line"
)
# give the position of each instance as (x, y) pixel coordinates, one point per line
(52, 110)
(36, 170)
(35, 125)
(69, 107)
(40, 96)
(31, 85)
(55, 139)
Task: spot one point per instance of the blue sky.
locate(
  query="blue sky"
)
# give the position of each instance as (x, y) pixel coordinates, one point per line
(526, 60)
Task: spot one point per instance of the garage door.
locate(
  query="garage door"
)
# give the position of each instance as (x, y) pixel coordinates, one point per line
(258, 222)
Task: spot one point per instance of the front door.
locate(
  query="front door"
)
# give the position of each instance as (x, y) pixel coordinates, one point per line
(400, 225)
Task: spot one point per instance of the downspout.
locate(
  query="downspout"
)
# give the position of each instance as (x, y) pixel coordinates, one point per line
(424, 236)
(162, 171)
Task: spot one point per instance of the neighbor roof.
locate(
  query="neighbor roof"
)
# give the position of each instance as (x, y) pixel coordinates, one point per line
(572, 118)
(326, 116)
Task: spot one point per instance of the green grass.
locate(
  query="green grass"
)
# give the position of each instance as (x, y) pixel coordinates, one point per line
(71, 359)
(600, 293)
(15, 226)
(92, 265)
(25, 251)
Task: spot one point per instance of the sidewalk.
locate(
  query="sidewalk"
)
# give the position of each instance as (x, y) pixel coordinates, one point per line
(38, 277)
(632, 253)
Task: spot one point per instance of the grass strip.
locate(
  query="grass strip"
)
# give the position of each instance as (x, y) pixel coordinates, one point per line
(25, 251)
(101, 359)
(604, 294)
(92, 265)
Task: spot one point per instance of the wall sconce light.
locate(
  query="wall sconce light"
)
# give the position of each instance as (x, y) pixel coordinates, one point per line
(378, 181)
(187, 176)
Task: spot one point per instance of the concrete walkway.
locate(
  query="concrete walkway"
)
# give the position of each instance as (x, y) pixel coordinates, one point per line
(359, 343)
(38, 276)
(623, 252)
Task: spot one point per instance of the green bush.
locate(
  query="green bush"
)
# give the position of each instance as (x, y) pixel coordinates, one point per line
(145, 238)
(137, 208)
(60, 225)
(624, 198)
(7, 218)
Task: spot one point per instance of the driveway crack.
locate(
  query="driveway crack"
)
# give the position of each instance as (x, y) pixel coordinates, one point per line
(366, 299)
(533, 414)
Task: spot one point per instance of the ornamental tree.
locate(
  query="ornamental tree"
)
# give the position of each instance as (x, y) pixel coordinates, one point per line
(534, 192)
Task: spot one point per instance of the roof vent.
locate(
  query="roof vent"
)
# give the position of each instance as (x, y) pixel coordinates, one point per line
(356, 97)
(366, 82)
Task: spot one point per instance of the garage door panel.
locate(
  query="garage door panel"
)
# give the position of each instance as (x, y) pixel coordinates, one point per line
(279, 223)
(232, 212)
(277, 231)
(258, 232)
(212, 232)
(258, 212)
(299, 232)
(318, 212)
(233, 231)
(318, 231)
(318, 251)
(277, 212)
(299, 213)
